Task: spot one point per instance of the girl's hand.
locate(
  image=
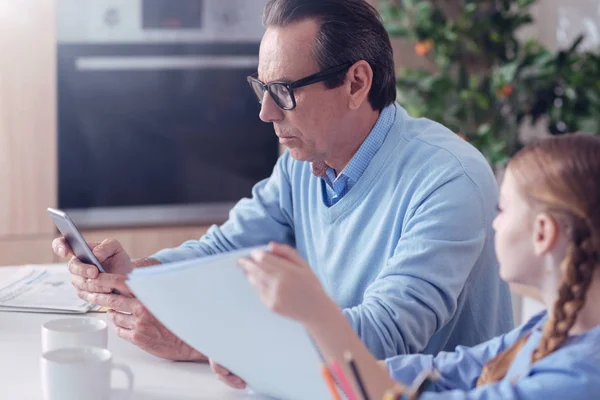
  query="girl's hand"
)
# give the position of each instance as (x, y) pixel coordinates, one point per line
(285, 283)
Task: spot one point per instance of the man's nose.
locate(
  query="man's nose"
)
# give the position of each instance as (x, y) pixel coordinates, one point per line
(269, 110)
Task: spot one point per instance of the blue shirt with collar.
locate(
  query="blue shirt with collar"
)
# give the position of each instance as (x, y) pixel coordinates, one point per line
(338, 186)
(571, 372)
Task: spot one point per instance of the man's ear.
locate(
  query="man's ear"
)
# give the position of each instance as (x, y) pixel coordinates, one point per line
(360, 77)
(545, 233)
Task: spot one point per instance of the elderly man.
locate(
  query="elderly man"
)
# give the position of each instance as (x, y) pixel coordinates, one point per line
(392, 213)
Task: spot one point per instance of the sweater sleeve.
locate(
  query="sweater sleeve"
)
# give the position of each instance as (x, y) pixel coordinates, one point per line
(266, 216)
(417, 291)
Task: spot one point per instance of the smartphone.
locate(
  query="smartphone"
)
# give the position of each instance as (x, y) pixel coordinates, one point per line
(78, 244)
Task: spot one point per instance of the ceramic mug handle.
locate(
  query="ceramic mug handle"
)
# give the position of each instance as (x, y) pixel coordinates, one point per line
(128, 373)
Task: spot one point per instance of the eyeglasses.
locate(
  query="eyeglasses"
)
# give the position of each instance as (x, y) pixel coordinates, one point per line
(283, 92)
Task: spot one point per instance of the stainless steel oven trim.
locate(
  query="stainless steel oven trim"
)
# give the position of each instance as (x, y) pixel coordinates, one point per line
(120, 21)
(130, 63)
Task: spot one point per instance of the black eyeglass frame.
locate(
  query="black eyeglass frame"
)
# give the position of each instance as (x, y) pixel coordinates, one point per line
(290, 86)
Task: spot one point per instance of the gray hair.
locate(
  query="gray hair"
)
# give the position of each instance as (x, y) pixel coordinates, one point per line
(350, 30)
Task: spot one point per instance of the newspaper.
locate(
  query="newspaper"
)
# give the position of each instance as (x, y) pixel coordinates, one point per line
(39, 289)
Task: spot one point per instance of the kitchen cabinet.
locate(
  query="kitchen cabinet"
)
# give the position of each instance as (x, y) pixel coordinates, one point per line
(20, 251)
(27, 118)
(143, 242)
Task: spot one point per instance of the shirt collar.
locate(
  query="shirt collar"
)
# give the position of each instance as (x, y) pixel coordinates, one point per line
(361, 159)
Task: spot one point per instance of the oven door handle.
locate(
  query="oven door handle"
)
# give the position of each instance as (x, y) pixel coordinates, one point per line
(151, 63)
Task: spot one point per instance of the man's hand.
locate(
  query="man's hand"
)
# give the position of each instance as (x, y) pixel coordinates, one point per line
(226, 376)
(139, 327)
(113, 258)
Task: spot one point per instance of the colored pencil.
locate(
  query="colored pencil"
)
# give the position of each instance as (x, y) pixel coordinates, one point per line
(352, 364)
(330, 382)
(337, 370)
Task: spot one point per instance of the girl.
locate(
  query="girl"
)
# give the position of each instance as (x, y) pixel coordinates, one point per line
(547, 236)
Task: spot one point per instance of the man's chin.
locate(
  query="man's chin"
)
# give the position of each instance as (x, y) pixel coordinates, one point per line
(298, 155)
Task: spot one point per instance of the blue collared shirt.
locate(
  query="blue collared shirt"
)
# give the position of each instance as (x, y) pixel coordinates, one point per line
(570, 372)
(338, 186)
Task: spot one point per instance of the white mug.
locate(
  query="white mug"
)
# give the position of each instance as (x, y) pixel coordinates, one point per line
(74, 332)
(77, 373)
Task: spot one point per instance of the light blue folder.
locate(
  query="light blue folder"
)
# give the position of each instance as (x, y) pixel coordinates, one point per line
(209, 304)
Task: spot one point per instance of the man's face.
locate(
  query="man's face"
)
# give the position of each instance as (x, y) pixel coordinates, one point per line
(311, 130)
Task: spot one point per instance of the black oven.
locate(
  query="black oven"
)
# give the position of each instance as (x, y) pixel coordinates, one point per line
(157, 124)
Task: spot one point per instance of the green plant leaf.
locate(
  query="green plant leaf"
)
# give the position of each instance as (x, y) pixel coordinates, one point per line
(484, 130)
(398, 31)
(521, 4)
(482, 101)
(423, 14)
(590, 124)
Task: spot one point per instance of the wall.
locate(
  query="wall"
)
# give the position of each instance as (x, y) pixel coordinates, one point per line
(565, 20)
(27, 130)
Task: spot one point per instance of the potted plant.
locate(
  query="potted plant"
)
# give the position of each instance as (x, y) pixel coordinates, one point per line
(485, 82)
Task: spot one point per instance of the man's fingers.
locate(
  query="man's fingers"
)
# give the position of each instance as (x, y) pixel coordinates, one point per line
(126, 321)
(99, 285)
(226, 376)
(125, 334)
(92, 245)
(76, 267)
(88, 285)
(87, 277)
(233, 380)
(217, 368)
(132, 336)
(112, 301)
(113, 281)
(61, 248)
(79, 282)
(107, 249)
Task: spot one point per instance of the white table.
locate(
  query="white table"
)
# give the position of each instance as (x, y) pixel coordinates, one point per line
(155, 379)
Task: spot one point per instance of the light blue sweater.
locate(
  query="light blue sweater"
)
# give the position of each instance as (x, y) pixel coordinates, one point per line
(407, 253)
(572, 372)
